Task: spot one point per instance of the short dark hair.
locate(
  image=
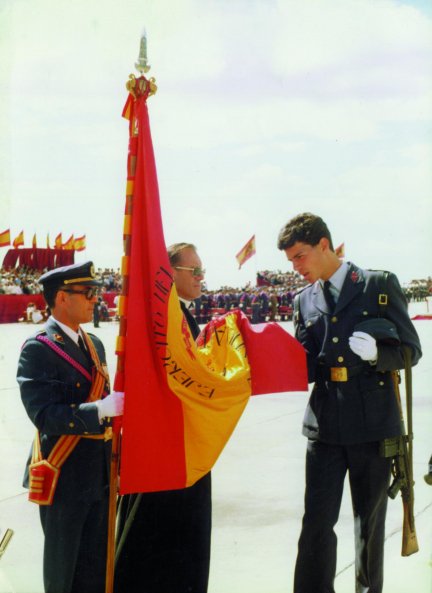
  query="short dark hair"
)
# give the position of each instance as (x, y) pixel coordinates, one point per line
(304, 228)
(50, 292)
(175, 250)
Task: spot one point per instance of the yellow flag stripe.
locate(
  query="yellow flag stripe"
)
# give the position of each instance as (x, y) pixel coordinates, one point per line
(213, 384)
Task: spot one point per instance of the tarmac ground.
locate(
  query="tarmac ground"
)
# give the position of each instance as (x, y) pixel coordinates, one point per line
(258, 487)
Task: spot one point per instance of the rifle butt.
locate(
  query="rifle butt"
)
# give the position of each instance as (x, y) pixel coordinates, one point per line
(5, 541)
(409, 535)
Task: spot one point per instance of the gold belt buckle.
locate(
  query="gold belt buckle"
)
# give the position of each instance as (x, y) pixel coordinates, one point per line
(339, 374)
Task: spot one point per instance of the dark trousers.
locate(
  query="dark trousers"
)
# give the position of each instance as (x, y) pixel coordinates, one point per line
(167, 544)
(75, 546)
(369, 477)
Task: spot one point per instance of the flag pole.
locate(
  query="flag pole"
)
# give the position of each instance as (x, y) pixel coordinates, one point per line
(256, 265)
(136, 87)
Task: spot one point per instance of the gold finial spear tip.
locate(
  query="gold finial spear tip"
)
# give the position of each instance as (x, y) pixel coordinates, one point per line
(141, 85)
(142, 65)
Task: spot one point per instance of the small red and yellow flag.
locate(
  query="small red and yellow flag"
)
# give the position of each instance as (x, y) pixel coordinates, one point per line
(80, 243)
(70, 244)
(246, 252)
(5, 238)
(34, 241)
(58, 241)
(340, 251)
(19, 240)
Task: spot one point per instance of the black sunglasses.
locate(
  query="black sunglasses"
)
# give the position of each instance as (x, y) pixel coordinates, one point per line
(89, 293)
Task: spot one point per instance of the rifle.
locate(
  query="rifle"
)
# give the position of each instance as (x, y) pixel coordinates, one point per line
(400, 449)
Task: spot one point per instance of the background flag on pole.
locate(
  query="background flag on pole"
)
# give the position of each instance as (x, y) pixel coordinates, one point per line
(58, 241)
(340, 250)
(246, 252)
(69, 243)
(34, 241)
(19, 240)
(80, 243)
(5, 239)
(48, 241)
(182, 399)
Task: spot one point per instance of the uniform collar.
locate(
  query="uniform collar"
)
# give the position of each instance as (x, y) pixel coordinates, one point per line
(67, 330)
(187, 304)
(338, 277)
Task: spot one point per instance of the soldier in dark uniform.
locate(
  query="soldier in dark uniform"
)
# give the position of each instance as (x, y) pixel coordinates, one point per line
(205, 306)
(164, 537)
(352, 406)
(55, 377)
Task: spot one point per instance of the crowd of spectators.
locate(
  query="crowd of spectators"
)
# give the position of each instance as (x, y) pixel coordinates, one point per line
(271, 298)
(25, 280)
(418, 290)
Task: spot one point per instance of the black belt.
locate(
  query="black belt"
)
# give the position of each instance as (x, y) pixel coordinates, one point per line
(340, 374)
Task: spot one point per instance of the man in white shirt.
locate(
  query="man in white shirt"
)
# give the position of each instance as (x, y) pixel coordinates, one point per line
(165, 536)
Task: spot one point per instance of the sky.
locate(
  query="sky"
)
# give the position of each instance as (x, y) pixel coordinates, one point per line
(264, 109)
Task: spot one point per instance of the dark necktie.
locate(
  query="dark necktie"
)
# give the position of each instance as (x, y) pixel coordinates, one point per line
(83, 347)
(328, 295)
(192, 323)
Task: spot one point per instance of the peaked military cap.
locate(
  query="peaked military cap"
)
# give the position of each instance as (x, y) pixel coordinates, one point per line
(383, 330)
(74, 274)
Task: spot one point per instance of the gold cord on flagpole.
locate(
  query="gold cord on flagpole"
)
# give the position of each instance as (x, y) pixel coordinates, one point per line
(137, 88)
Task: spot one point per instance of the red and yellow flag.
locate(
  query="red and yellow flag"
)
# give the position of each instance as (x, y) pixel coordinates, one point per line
(80, 243)
(19, 240)
(183, 398)
(69, 243)
(34, 241)
(5, 239)
(340, 250)
(246, 252)
(58, 241)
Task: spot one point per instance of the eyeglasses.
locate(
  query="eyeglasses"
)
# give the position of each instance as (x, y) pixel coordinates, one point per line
(89, 293)
(195, 271)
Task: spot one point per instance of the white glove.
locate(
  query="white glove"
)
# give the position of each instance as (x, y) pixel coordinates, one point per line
(364, 345)
(111, 405)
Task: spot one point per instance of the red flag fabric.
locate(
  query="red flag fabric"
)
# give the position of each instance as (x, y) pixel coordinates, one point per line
(246, 252)
(260, 342)
(69, 243)
(5, 238)
(80, 243)
(182, 399)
